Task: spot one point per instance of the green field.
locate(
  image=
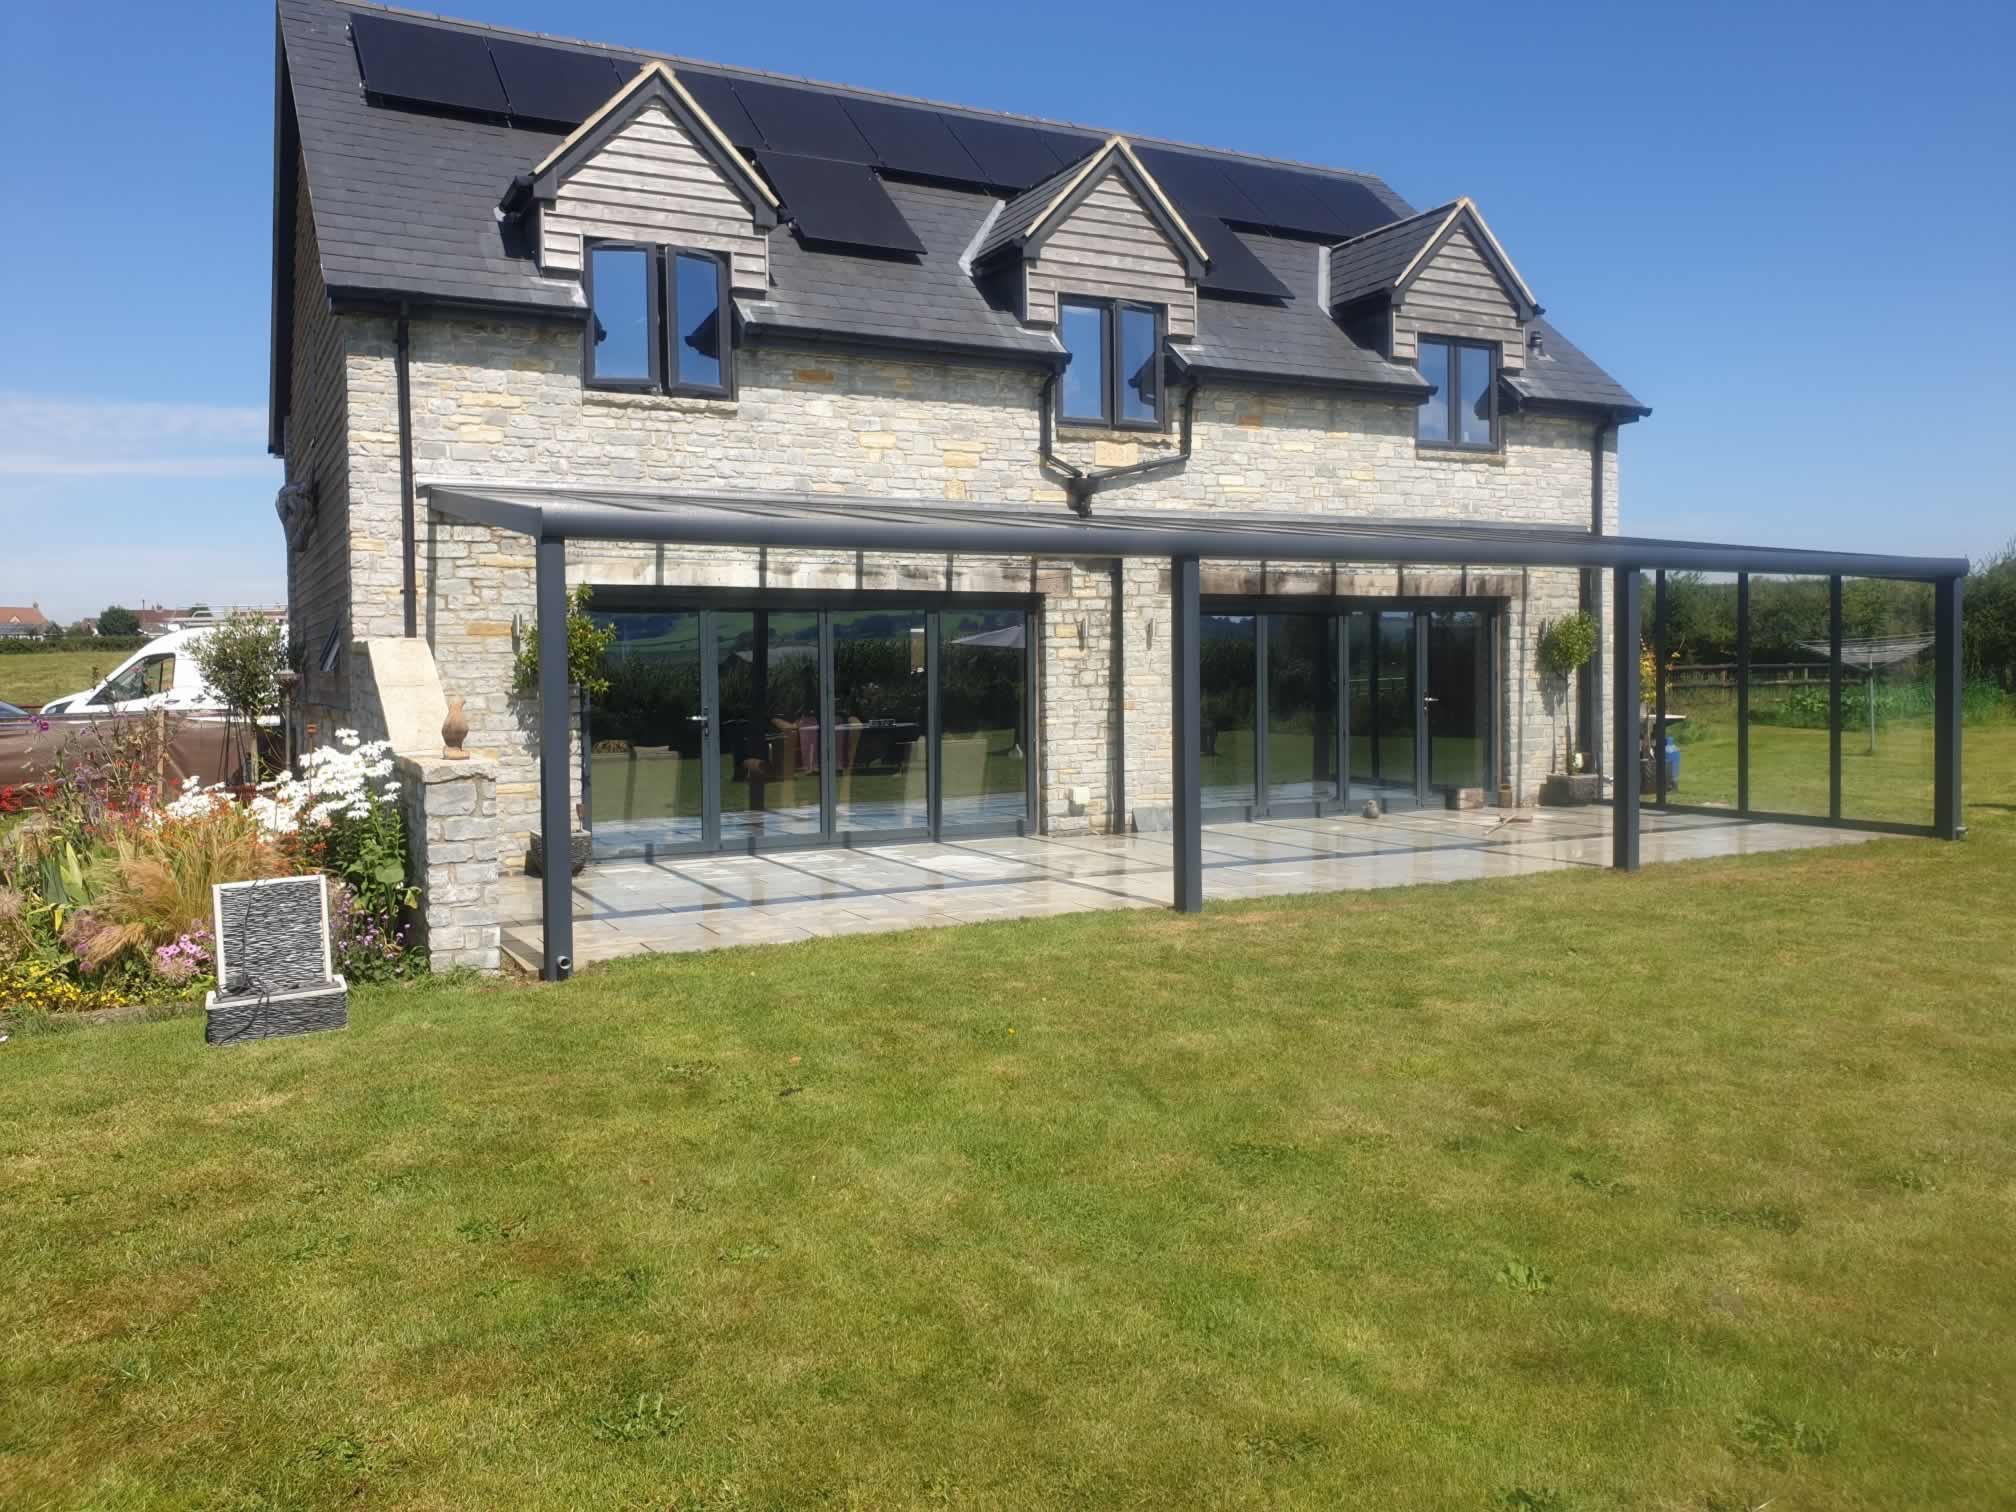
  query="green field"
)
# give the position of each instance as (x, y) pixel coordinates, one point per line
(1683, 1190)
(31, 678)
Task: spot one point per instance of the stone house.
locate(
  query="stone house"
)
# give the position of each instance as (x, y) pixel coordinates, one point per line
(507, 261)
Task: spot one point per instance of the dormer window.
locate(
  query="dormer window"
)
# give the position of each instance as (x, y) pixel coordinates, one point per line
(1114, 377)
(659, 320)
(1463, 411)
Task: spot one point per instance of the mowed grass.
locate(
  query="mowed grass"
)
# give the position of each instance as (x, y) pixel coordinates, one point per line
(31, 678)
(1693, 1189)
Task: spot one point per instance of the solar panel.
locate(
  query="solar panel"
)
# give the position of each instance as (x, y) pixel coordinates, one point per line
(803, 122)
(1010, 156)
(1353, 207)
(839, 202)
(909, 140)
(1071, 147)
(1234, 269)
(430, 65)
(1282, 197)
(1197, 183)
(551, 83)
(717, 97)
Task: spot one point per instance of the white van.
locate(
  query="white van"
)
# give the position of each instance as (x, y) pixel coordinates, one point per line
(160, 675)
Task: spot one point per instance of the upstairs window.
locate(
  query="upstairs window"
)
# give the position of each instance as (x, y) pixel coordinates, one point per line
(1115, 373)
(659, 320)
(1463, 411)
(623, 317)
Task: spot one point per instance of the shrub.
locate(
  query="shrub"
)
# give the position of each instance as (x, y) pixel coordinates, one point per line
(587, 644)
(151, 886)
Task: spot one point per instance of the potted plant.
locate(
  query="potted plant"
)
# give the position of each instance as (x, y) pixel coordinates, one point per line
(1565, 648)
(587, 645)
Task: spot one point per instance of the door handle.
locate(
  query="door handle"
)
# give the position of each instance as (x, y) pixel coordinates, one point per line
(1428, 698)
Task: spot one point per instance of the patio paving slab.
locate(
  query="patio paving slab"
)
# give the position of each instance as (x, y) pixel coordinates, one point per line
(705, 902)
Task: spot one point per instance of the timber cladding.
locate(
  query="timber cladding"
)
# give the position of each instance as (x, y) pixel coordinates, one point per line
(1111, 247)
(1457, 293)
(650, 183)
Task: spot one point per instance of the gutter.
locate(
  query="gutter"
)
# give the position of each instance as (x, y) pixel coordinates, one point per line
(1079, 484)
(410, 576)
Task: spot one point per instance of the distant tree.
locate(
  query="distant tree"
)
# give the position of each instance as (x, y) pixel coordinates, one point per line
(1989, 636)
(118, 621)
(81, 630)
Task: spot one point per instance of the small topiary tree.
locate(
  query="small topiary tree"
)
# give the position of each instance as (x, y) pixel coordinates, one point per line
(587, 644)
(1565, 648)
(241, 661)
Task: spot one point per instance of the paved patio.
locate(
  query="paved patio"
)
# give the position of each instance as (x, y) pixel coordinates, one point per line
(700, 902)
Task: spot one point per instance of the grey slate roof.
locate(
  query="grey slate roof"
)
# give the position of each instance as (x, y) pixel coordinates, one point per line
(896, 300)
(1373, 263)
(1020, 213)
(404, 205)
(1563, 374)
(1297, 340)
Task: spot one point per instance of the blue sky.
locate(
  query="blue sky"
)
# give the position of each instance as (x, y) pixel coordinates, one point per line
(1786, 227)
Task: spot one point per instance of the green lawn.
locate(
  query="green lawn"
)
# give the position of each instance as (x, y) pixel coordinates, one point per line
(31, 678)
(1687, 1190)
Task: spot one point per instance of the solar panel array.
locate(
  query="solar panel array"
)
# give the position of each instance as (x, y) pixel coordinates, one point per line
(842, 203)
(794, 125)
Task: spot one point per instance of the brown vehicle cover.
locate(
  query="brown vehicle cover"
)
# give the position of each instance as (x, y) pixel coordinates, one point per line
(170, 747)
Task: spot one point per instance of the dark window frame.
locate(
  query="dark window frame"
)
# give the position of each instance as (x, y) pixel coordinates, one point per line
(1110, 355)
(1451, 400)
(724, 308)
(662, 294)
(653, 298)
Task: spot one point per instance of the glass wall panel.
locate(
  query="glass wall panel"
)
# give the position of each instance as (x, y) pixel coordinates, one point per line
(1788, 699)
(1301, 708)
(1886, 701)
(1700, 686)
(645, 737)
(1383, 705)
(881, 755)
(769, 725)
(983, 705)
(1225, 664)
(1459, 714)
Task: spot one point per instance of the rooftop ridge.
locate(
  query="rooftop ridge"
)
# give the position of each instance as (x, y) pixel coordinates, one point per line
(677, 60)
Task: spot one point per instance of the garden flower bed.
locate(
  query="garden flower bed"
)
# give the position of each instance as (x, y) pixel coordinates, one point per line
(105, 887)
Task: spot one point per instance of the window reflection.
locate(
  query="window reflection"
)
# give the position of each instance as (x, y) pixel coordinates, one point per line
(698, 292)
(621, 280)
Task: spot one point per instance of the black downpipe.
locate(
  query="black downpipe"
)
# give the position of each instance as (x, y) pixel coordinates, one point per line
(410, 583)
(1080, 485)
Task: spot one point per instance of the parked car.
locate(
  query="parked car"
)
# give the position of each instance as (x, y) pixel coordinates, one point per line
(160, 675)
(9, 711)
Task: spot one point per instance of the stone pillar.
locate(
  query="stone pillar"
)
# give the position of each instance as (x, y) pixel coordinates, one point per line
(452, 839)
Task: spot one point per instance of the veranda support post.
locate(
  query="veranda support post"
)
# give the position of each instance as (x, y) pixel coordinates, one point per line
(1187, 736)
(1743, 693)
(556, 881)
(1624, 743)
(1947, 677)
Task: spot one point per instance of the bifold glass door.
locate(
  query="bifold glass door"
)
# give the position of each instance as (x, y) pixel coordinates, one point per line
(1308, 711)
(739, 728)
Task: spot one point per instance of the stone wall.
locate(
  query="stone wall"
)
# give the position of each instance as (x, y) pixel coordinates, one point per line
(502, 401)
(452, 839)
